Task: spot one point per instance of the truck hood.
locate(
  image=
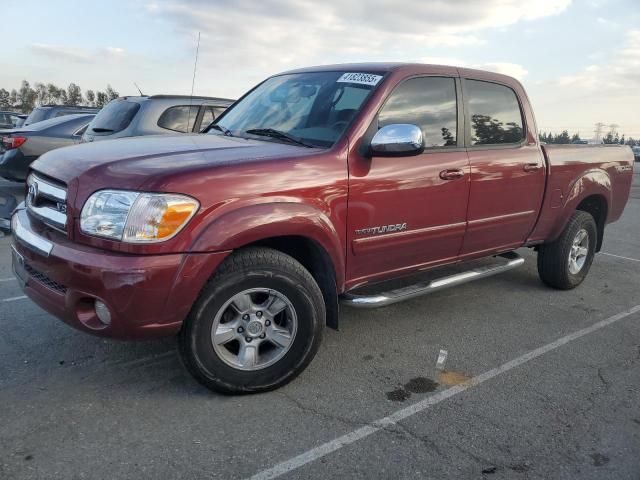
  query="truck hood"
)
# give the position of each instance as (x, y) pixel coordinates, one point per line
(129, 162)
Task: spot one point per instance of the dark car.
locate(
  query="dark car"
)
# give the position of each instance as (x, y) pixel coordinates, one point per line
(154, 115)
(45, 112)
(636, 153)
(21, 146)
(11, 119)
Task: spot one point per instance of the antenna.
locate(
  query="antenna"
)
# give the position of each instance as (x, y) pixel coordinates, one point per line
(141, 94)
(193, 81)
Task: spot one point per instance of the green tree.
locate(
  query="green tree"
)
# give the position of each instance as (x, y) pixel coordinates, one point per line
(101, 99)
(608, 138)
(111, 93)
(42, 94)
(90, 95)
(74, 95)
(53, 94)
(13, 97)
(622, 139)
(4, 99)
(26, 97)
(575, 138)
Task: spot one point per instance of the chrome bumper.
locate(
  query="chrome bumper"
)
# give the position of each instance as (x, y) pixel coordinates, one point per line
(28, 238)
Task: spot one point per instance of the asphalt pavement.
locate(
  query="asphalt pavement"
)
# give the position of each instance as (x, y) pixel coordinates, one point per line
(537, 384)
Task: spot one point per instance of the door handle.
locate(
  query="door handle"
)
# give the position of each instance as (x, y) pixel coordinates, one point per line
(451, 174)
(531, 167)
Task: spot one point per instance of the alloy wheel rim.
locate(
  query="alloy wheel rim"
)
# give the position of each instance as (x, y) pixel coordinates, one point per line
(254, 329)
(579, 251)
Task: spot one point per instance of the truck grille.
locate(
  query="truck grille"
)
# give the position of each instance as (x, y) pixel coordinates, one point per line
(44, 280)
(47, 201)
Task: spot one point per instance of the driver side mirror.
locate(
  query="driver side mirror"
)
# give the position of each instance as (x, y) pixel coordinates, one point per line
(398, 140)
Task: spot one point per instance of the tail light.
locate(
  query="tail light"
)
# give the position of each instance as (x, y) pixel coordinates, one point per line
(9, 143)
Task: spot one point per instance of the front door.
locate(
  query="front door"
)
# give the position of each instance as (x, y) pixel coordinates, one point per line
(410, 212)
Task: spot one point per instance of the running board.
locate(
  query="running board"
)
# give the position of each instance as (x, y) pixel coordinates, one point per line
(383, 299)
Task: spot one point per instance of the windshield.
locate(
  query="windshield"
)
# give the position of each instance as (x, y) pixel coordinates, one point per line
(37, 114)
(312, 108)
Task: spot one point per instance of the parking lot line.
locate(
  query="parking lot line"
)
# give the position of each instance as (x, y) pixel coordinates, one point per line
(620, 256)
(390, 420)
(13, 299)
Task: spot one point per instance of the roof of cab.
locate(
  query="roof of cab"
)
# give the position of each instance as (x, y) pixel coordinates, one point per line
(410, 68)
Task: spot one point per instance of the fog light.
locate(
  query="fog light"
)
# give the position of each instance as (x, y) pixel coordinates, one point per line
(103, 313)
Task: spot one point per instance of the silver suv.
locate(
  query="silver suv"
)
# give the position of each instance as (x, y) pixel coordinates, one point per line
(154, 115)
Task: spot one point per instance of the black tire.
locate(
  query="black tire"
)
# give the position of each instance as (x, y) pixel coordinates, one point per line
(252, 268)
(553, 258)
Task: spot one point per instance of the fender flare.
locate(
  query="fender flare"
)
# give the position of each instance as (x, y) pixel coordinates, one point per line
(248, 224)
(592, 182)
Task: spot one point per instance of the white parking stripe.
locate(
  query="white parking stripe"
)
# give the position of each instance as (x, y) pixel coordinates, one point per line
(363, 432)
(13, 299)
(620, 256)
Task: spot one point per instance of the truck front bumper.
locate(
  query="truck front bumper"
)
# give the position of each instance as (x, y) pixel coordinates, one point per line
(147, 296)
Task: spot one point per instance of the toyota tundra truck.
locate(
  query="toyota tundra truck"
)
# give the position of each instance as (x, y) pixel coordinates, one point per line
(317, 187)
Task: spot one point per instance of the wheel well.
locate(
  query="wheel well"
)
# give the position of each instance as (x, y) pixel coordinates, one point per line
(596, 205)
(317, 261)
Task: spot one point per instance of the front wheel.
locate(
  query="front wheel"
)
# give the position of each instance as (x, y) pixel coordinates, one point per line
(256, 325)
(564, 264)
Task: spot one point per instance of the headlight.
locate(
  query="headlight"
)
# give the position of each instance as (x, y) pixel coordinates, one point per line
(135, 217)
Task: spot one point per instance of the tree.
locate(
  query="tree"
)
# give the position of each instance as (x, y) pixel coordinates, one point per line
(111, 93)
(101, 99)
(42, 95)
(575, 138)
(563, 138)
(622, 139)
(74, 95)
(4, 98)
(26, 97)
(91, 97)
(608, 138)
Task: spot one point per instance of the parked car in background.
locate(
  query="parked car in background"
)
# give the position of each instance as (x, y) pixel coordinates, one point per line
(19, 147)
(316, 183)
(636, 153)
(11, 119)
(45, 112)
(154, 115)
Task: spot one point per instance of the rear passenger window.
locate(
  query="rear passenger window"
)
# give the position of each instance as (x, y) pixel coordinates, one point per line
(494, 114)
(428, 102)
(179, 119)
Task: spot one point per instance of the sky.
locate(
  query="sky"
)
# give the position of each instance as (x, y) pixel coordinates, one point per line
(578, 59)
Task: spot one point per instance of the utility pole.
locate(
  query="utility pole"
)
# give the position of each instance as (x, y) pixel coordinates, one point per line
(598, 132)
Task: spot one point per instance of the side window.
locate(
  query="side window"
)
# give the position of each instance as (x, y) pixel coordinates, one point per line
(179, 119)
(494, 113)
(428, 102)
(207, 117)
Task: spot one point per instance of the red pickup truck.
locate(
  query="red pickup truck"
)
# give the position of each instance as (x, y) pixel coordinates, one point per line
(314, 184)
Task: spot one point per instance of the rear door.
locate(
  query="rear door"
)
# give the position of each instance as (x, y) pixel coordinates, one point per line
(408, 212)
(507, 168)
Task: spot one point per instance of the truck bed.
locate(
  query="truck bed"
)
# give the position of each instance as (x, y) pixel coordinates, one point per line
(571, 169)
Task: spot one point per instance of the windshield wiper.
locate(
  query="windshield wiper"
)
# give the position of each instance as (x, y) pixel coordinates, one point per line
(273, 133)
(225, 131)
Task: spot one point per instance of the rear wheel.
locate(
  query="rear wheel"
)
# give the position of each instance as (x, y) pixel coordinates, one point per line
(564, 264)
(256, 325)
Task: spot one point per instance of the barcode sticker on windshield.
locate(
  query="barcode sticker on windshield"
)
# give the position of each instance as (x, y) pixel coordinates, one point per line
(361, 78)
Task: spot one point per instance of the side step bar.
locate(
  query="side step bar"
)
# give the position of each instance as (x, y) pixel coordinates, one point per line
(513, 260)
